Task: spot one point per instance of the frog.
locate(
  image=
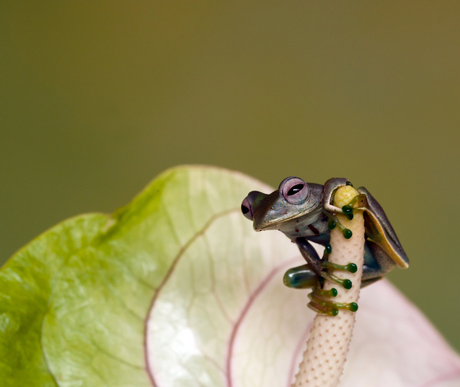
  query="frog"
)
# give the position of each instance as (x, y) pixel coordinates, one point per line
(305, 213)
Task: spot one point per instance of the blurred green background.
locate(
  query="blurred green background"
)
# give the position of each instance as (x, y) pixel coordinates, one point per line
(98, 97)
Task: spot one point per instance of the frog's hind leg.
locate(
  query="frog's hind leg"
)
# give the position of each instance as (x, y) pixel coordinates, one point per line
(376, 265)
(300, 277)
(376, 262)
(334, 222)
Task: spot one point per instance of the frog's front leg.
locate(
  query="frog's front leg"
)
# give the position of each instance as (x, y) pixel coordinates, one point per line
(311, 274)
(310, 255)
(334, 222)
(305, 276)
(330, 210)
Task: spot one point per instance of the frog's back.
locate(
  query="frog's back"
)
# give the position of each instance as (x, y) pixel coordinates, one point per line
(316, 190)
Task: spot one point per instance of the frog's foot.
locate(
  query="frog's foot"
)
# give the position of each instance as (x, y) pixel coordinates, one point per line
(334, 222)
(351, 267)
(348, 209)
(317, 303)
(328, 308)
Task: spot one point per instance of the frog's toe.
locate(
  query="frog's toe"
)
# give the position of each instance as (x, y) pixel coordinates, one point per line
(351, 267)
(330, 308)
(326, 274)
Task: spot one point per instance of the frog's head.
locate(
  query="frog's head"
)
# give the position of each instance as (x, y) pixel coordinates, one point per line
(291, 200)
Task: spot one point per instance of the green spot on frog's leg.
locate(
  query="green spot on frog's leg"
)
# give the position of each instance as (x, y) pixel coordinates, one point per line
(327, 293)
(353, 306)
(347, 209)
(328, 248)
(352, 268)
(333, 222)
(347, 234)
(346, 283)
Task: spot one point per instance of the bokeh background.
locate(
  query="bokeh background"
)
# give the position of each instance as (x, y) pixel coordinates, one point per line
(98, 97)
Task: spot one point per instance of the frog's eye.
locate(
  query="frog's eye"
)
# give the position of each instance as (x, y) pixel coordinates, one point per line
(246, 209)
(294, 190)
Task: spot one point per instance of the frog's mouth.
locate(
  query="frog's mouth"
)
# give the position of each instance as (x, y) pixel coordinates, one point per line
(263, 225)
(270, 214)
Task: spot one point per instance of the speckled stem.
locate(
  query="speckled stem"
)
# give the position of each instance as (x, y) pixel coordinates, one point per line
(327, 346)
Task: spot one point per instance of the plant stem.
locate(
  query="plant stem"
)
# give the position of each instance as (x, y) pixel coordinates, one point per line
(327, 346)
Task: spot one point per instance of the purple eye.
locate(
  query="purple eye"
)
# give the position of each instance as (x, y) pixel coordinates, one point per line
(246, 208)
(294, 190)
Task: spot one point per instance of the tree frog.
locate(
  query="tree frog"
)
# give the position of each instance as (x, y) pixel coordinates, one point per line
(304, 213)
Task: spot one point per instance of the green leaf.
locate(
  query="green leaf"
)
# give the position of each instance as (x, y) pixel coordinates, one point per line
(176, 289)
(74, 302)
(26, 291)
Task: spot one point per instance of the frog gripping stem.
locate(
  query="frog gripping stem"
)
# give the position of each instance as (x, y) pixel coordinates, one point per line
(327, 346)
